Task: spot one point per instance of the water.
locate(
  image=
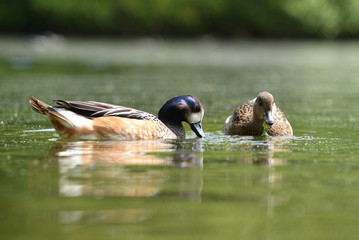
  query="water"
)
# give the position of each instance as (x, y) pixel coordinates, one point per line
(220, 187)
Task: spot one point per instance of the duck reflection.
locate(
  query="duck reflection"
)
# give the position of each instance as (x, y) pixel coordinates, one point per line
(121, 168)
(127, 169)
(261, 151)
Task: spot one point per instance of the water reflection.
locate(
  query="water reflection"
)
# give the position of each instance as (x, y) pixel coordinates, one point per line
(164, 169)
(113, 216)
(250, 150)
(121, 168)
(127, 169)
(261, 151)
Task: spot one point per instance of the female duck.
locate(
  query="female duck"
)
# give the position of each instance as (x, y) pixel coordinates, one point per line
(96, 120)
(256, 117)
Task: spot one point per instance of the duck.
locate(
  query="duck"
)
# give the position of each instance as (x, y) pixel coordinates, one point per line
(97, 120)
(257, 117)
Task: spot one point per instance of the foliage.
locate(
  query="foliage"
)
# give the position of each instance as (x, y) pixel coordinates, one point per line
(231, 18)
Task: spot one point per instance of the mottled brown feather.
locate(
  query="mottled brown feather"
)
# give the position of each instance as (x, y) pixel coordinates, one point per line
(281, 126)
(242, 122)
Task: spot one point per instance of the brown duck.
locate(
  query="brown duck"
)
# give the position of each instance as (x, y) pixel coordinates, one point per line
(256, 116)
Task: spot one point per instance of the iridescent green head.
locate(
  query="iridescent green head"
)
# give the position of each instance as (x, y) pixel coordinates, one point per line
(184, 108)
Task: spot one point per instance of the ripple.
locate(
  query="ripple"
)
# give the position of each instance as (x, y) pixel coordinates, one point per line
(40, 130)
(306, 138)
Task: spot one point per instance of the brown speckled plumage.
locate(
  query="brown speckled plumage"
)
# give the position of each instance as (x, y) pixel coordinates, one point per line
(248, 119)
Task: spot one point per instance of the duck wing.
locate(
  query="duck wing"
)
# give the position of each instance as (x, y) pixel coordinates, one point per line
(92, 110)
(281, 126)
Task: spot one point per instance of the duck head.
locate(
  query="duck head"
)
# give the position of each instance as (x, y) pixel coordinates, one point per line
(263, 107)
(183, 109)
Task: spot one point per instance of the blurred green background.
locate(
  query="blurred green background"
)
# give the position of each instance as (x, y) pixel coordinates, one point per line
(183, 18)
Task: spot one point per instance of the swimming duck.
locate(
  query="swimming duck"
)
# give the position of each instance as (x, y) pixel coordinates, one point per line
(96, 120)
(258, 116)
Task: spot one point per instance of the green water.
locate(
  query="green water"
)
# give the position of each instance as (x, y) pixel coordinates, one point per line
(220, 187)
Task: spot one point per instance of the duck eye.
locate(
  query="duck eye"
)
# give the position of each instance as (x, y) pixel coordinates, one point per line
(260, 102)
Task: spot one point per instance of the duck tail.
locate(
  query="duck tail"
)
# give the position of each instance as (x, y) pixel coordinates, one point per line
(51, 112)
(38, 106)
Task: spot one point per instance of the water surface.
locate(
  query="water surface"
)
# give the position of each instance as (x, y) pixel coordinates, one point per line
(220, 187)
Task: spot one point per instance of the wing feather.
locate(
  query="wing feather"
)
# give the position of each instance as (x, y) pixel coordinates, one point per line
(97, 109)
(124, 112)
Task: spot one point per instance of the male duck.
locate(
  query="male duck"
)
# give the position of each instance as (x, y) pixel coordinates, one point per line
(256, 116)
(96, 120)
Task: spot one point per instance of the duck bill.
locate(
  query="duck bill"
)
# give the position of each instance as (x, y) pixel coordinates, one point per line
(268, 118)
(197, 129)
